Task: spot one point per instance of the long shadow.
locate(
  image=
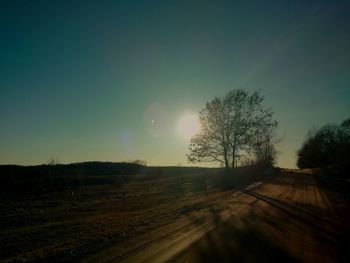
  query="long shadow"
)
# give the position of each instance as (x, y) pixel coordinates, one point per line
(247, 239)
(297, 212)
(229, 241)
(291, 179)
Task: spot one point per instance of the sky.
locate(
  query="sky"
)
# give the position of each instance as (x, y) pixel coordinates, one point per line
(109, 80)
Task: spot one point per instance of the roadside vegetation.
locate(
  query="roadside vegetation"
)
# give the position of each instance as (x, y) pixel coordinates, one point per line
(326, 146)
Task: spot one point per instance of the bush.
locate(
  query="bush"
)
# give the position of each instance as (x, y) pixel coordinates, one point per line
(329, 145)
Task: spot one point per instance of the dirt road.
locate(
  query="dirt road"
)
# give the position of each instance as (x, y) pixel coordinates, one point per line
(288, 218)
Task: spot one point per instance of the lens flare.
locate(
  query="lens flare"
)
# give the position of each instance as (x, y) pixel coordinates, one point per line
(188, 126)
(156, 120)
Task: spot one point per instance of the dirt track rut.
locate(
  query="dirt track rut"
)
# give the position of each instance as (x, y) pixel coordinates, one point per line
(287, 218)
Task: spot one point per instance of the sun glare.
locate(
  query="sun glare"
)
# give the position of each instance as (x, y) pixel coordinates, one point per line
(188, 126)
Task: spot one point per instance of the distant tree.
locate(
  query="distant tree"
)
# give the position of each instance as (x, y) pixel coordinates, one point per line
(263, 138)
(346, 126)
(228, 126)
(53, 161)
(329, 145)
(139, 162)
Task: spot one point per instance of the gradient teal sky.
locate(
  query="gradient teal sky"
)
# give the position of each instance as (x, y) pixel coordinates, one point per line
(82, 80)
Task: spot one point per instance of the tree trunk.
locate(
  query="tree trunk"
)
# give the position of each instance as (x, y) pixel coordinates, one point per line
(233, 158)
(226, 159)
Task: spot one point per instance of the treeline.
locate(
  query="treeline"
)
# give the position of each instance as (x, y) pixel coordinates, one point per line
(326, 146)
(16, 179)
(49, 177)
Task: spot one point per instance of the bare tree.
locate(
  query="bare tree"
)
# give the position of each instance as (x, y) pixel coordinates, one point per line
(346, 126)
(242, 108)
(263, 137)
(53, 161)
(211, 143)
(227, 125)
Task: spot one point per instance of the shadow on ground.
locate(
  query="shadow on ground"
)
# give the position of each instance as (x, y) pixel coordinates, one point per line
(248, 245)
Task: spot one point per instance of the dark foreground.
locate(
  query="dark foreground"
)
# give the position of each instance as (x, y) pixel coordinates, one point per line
(290, 217)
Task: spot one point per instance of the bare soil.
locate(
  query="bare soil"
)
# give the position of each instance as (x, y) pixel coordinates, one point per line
(288, 217)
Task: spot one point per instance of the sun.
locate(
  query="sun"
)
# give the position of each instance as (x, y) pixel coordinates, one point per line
(188, 126)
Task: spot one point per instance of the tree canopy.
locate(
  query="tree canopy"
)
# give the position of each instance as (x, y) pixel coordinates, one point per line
(328, 145)
(234, 127)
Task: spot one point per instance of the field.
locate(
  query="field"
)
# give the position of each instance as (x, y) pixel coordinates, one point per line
(287, 215)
